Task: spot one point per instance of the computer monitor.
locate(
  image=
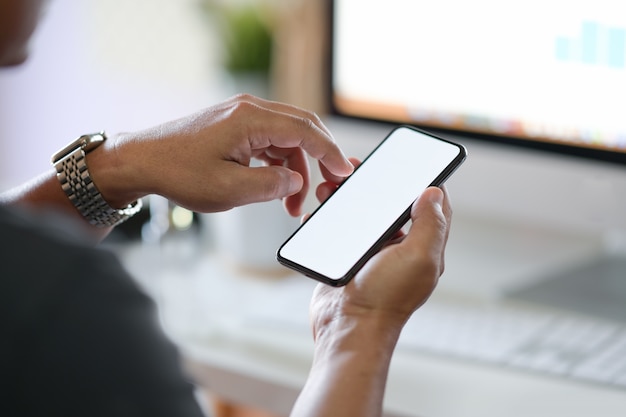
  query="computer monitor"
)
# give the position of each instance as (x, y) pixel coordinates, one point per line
(534, 90)
(534, 76)
(547, 75)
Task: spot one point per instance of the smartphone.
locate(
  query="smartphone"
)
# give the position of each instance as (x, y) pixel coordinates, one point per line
(370, 206)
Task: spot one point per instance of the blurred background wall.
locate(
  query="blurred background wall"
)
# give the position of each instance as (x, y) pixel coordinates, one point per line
(128, 64)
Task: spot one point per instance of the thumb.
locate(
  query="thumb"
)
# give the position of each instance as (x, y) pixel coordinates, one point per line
(429, 230)
(269, 183)
(431, 199)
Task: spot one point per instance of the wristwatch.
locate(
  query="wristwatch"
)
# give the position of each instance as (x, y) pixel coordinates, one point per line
(73, 174)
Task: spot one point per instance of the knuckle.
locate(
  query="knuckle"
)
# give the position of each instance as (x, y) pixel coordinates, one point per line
(242, 107)
(440, 222)
(316, 118)
(305, 123)
(311, 116)
(244, 97)
(272, 188)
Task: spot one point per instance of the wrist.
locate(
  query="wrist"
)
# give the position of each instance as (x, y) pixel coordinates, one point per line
(367, 334)
(350, 367)
(113, 173)
(76, 179)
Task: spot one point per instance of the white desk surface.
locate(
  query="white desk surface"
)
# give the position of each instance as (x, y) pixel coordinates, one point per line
(247, 336)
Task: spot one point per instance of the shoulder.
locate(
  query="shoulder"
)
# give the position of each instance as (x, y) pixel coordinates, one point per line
(27, 225)
(48, 266)
(46, 254)
(77, 326)
(51, 272)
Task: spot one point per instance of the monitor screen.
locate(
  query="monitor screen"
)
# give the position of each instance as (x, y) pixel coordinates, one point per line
(547, 74)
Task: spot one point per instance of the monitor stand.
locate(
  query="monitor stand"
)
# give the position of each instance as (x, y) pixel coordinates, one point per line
(597, 289)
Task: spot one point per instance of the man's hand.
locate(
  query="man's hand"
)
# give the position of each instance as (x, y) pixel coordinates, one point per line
(202, 162)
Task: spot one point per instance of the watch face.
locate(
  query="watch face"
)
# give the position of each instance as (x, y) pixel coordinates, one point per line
(86, 142)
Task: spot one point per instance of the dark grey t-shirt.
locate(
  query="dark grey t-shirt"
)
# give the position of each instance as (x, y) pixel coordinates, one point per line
(77, 336)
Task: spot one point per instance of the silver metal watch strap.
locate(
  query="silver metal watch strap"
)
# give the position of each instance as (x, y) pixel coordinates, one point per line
(73, 175)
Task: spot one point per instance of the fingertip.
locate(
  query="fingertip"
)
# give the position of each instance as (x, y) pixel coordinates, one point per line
(324, 190)
(340, 165)
(294, 197)
(349, 165)
(293, 209)
(435, 195)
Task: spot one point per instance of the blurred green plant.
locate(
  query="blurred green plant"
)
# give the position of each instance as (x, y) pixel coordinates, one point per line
(245, 33)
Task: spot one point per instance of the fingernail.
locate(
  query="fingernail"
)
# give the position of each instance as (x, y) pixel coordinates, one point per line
(349, 165)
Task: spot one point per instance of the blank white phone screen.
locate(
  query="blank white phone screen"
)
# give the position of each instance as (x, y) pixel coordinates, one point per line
(354, 218)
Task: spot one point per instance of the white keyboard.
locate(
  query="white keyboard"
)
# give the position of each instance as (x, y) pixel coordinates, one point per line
(503, 334)
(539, 341)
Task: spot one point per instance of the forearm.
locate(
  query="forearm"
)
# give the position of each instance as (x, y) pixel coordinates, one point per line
(116, 175)
(349, 371)
(44, 192)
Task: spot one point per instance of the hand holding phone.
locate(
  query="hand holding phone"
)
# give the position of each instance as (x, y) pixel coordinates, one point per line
(370, 206)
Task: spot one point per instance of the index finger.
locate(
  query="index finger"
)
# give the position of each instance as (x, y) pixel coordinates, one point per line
(338, 179)
(287, 127)
(284, 108)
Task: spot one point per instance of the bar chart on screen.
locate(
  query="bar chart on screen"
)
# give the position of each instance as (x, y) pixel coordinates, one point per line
(595, 44)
